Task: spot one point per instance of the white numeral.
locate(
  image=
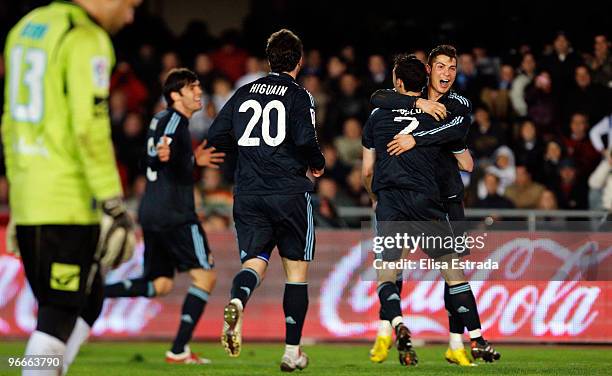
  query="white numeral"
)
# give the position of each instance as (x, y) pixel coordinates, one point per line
(247, 140)
(414, 123)
(35, 59)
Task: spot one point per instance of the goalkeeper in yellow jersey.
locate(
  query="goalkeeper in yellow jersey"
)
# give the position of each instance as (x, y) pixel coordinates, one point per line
(60, 165)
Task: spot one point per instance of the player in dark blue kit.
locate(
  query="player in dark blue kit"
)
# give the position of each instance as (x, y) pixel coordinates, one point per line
(173, 236)
(271, 123)
(441, 68)
(404, 187)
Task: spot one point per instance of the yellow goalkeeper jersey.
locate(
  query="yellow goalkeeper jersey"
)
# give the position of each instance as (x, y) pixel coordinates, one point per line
(56, 127)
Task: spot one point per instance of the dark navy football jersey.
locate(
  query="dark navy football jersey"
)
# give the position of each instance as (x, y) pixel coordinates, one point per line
(168, 199)
(447, 173)
(415, 169)
(271, 124)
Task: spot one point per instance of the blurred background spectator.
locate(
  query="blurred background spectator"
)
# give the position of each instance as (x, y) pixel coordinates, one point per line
(539, 96)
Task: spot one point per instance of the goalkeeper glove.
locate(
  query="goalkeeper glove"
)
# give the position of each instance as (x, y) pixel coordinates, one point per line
(117, 239)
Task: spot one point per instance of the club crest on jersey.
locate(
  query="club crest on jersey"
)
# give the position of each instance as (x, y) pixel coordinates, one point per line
(100, 72)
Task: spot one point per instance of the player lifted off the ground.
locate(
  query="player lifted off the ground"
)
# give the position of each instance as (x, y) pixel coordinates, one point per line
(271, 122)
(173, 236)
(441, 67)
(403, 187)
(60, 165)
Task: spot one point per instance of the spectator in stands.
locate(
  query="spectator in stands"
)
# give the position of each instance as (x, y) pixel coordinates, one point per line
(349, 144)
(335, 168)
(254, 70)
(573, 193)
(524, 192)
(421, 55)
(562, 63)
(587, 97)
(601, 61)
(118, 110)
(548, 201)
(169, 60)
(230, 59)
(203, 67)
(487, 66)
(378, 76)
(222, 92)
(312, 83)
(328, 189)
(314, 63)
(529, 149)
(135, 91)
(579, 147)
(467, 81)
(355, 188)
(493, 200)
(542, 105)
(350, 57)
(549, 170)
(504, 169)
(497, 98)
(484, 136)
(600, 184)
(147, 67)
(348, 104)
(216, 195)
(130, 145)
(336, 67)
(522, 80)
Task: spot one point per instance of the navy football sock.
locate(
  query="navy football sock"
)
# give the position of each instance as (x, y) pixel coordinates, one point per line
(295, 305)
(244, 284)
(193, 306)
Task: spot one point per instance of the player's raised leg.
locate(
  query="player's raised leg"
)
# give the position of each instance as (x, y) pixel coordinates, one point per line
(243, 286)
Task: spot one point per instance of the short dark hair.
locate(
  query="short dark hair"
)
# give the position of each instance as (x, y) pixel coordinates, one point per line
(411, 71)
(177, 79)
(284, 51)
(442, 50)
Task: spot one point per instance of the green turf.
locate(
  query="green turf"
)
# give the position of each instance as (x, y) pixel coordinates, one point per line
(134, 359)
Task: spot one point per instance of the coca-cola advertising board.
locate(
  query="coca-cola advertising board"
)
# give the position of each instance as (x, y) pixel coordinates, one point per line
(516, 305)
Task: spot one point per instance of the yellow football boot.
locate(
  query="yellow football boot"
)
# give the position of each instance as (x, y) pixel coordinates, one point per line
(380, 351)
(458, 357)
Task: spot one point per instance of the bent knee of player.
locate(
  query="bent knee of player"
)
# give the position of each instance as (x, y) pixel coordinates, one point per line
(295, 270)
(258, 265)
(163, 286)
(386, 275)
(204, 279)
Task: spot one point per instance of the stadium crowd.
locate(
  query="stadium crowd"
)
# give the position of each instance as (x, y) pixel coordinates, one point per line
(539, 136)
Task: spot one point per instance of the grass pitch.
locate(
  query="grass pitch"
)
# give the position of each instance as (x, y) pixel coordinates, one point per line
(147, 358)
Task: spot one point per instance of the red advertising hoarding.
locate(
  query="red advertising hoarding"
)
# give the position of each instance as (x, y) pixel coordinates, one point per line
(343, 305)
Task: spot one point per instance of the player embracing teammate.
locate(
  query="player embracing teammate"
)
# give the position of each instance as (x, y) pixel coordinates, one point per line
(436, 99)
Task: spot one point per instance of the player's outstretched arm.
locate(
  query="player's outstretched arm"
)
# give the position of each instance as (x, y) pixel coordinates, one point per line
(208, 157)
(390, 99)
